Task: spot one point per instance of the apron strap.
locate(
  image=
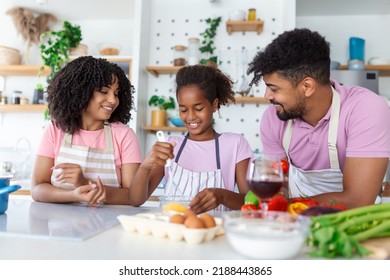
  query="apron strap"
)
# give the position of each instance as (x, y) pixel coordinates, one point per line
(217, 156)
(181, 148)
(333, 130)
(287, 138)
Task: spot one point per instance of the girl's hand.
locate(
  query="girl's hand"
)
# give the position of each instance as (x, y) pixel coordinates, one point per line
(158, 155)
(206, 200)
(70, 173)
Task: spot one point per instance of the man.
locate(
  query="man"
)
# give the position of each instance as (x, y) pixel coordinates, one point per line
(337, 139)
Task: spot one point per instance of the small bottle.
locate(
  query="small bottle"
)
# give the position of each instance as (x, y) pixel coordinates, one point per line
(193, 51)
(179, 55)
(252, 14)
(16, 97)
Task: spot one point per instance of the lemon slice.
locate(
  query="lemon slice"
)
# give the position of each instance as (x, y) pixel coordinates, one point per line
(175, 207)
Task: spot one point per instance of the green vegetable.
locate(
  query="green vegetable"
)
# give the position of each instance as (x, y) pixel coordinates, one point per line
(251, 198)
(339, 234)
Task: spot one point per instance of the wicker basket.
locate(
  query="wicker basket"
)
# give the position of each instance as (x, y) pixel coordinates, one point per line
(81, 50)
(9, 56)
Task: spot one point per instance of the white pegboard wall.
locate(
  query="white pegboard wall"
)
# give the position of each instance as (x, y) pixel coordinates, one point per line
(172, 22)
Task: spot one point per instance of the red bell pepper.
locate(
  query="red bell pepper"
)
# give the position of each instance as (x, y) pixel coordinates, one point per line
(305, 200)
(278, 203)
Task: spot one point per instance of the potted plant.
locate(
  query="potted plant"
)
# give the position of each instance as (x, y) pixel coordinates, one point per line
(54, 52)
(163, 103)
(207, 47)
(38, 94)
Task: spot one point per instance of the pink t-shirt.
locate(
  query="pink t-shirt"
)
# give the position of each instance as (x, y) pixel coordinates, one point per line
(363, 131)
(200, 156)
(126, 147)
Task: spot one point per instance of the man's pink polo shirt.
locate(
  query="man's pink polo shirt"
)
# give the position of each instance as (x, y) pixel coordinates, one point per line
(364, 131)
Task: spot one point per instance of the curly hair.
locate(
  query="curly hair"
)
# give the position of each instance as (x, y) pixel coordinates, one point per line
(71, 89)
(294, 55)
(210, 80)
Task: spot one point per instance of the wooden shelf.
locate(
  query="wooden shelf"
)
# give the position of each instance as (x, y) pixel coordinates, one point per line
(22, 70)
(160, 70)
(153, 129)
(30, 108)
(384, 70)
(251, 100)
(244, 26)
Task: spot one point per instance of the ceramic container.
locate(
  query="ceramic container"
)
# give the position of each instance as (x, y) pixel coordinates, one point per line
(5, 190)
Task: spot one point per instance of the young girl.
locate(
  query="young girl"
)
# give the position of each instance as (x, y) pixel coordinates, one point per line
(206, 164)
(87, 153)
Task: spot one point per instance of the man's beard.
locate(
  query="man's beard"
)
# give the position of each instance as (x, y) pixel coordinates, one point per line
(296, 112)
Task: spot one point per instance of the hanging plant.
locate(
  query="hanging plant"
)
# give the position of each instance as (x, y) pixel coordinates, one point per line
(207, 47)
(54, 52)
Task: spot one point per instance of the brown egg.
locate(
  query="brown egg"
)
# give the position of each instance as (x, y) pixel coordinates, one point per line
(208, 220)
(194, 222)
(188, 213)
(177, 219)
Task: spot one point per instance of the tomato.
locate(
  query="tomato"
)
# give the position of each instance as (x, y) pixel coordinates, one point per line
(278, 203)
(305, 200)
(284, 164)
(251, 198)
(248, 207)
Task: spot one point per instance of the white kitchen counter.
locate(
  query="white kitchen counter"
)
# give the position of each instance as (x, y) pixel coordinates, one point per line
(28, 238)
(31, 230)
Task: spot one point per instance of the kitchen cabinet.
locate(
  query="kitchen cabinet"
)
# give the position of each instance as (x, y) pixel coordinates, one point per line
(384, 70)
(17, 108)
(245, 26)
(22, 70)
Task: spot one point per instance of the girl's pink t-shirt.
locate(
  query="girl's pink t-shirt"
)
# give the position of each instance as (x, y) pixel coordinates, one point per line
(199, 156)
(126, 146)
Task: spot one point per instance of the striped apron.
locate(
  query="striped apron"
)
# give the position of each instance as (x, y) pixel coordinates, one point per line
(93, 162)
(303, 183)
(184, 182)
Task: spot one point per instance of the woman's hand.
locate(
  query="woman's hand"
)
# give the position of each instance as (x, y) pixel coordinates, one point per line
(206, 200)
(91, 193)
(158, 155)
(70, 173)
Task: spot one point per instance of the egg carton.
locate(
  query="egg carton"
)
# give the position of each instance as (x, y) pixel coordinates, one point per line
(158, 225)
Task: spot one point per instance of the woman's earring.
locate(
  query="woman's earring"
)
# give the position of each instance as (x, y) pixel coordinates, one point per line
(219, 114)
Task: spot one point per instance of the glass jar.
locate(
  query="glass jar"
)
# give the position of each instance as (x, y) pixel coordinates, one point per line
(179, 55)
(16, 96)
(252, 14)
(193, 51)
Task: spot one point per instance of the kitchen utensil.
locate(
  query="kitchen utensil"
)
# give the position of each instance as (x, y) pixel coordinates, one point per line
(274, 235)
(5, 190)
(161, 137)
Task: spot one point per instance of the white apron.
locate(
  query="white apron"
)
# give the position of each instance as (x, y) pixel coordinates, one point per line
(184, 182)
(93, 162)
(313, 182)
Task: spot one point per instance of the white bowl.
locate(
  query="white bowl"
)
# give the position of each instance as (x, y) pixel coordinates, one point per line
(278, 235)
(183, 200)
(378, 61)
(237, 15)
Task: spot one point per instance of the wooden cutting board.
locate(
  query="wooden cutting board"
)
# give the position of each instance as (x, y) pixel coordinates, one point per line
(380, 248)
